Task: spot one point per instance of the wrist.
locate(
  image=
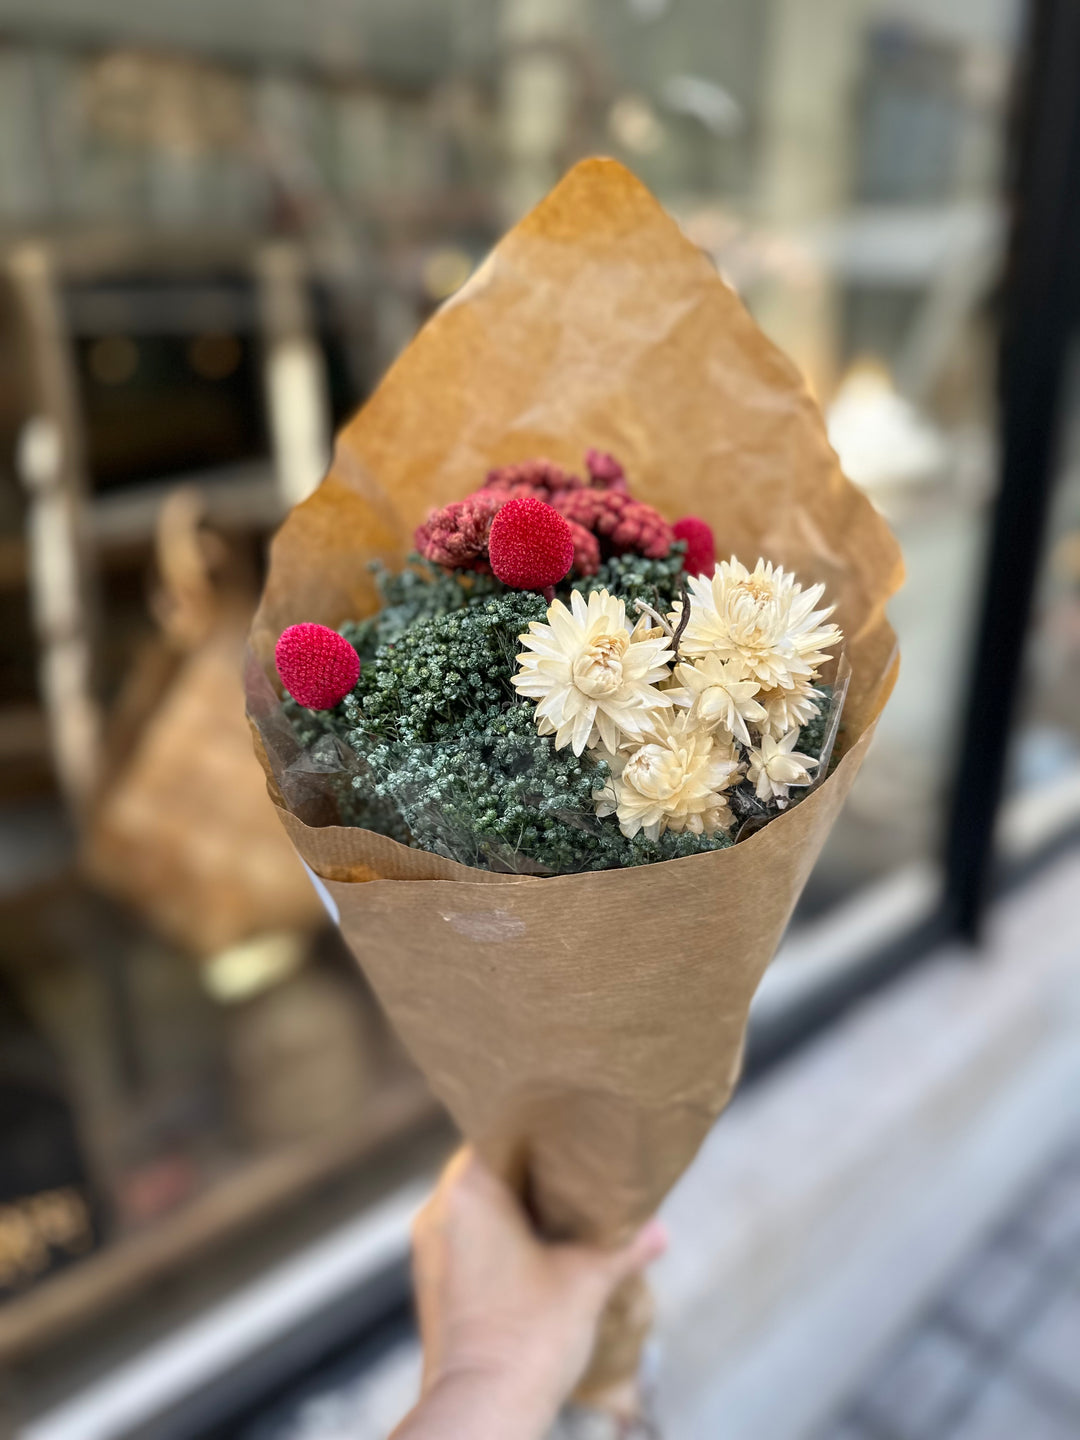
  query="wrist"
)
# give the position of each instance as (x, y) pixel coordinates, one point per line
(482, 1403)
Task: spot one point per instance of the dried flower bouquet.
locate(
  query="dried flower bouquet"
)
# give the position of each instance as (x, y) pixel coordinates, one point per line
(594, 767)
(541, 694)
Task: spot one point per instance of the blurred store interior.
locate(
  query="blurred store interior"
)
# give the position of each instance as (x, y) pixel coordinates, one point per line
(219, 223)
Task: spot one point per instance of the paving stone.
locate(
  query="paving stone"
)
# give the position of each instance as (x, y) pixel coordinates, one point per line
(1051, 1345)
(847, 1430)
(1052, 1223)
(362, 1406)
(995, 1289)
(1008, 1411)
(921, 1383)
(580, 1424)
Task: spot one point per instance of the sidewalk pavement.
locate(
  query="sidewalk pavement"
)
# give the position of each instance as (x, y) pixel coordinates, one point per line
(997, 1356)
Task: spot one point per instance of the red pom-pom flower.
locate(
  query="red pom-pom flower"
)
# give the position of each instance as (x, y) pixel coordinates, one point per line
(318, 667)
(700, 545)
(530, 545)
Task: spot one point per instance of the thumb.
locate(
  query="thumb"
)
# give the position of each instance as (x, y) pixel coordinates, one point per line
(648, 1245)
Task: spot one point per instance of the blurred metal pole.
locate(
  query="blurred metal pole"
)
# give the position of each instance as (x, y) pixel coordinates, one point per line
(810, 67)
(1038, 323)
(296, 385)
(536, 97)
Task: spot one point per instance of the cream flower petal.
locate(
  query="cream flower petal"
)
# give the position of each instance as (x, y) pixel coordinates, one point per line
(719, 695)
(762, 617)
(588, 661)
(673, 781)
(583, 725)
(775, 765)
(607, 729)
(788, 708)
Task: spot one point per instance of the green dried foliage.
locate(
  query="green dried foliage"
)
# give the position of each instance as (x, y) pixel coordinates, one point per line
(633, 577)
(812, 734)
(356, 805)
(419, 687)
(309, 726)
(418, 592)
(422, 591)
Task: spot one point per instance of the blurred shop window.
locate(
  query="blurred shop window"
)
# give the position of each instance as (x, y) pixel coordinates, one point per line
(909, 117)
(49, 1212)
(857, 211)
(216, 234)
(157, 402)
(207, 264)
(165, 137)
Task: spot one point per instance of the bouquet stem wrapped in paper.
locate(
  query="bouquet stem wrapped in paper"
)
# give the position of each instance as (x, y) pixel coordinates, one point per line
(583, 1030)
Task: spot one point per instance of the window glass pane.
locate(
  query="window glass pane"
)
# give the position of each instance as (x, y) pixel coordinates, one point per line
(210, 199)
(843, 164)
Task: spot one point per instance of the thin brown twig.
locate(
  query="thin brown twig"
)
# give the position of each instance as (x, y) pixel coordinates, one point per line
(684, 619)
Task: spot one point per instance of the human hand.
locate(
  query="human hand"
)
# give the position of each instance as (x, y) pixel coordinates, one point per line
(507, 1321)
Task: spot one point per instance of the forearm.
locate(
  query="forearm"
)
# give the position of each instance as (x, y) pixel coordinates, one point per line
(476, 1406)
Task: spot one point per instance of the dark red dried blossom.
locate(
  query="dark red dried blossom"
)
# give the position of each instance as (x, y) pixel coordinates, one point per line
(625, 525)
(530, 546)
(516, 490)
(586, 549)
(457, 535)
(605, 472)
(700, 545)
(540, 478)
(318, 667)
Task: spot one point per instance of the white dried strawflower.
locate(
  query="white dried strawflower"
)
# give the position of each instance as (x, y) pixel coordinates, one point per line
(788, 709)
(592, 673)
(673, 781)
(719, 693)
(763, 617)
(776, 764)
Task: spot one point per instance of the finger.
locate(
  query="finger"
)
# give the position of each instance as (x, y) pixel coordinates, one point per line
(602, 1271)
(647, 1245)
(459, 1177)
(475, 1193)
(459, 1169)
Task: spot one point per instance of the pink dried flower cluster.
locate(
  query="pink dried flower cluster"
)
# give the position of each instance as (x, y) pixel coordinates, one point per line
(601, 510)
(605, 472)
(536, 479)
(456, 536)
(586, 549)
(543, 479)
(625, 524)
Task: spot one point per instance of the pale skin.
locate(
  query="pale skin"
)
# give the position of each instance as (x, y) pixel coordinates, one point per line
(507, 1321)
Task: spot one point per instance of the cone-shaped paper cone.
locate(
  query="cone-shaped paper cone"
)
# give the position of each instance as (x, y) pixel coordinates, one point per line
(585, 1030)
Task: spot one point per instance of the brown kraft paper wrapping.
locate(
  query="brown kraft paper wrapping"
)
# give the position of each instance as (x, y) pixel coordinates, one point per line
(584, 1031)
